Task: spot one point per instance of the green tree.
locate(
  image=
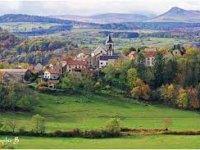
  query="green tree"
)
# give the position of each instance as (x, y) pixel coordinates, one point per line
(158, 69)
(38, 123)
(170, 71)
(141, 68)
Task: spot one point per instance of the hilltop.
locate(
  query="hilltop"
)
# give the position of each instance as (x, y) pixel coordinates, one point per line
(177, 14)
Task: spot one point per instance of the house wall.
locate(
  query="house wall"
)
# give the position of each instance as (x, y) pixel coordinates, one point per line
(54, 76)
(103, 63)
(149, 61)
(48, 75)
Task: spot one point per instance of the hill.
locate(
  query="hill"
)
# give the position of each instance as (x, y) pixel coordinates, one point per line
(176, 14)
(90, 112)
(118, 17)
(64, 112)
(30, 18)
(106, 18)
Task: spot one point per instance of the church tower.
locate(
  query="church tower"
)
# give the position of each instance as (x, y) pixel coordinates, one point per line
(109, 44)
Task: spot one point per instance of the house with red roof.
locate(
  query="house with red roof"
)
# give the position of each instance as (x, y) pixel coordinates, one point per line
(52, 74)
(149, 57)
(76, 65)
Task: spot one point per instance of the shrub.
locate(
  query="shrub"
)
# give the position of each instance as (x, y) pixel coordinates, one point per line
(113, 126)
(167, 122)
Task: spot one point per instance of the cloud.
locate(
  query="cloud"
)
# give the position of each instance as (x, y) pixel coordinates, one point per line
(89, 7)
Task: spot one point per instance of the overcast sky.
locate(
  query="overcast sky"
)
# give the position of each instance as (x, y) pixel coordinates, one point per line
(90, 7)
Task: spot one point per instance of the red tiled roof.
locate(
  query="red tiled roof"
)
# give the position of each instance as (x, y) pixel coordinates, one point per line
(53, 71)
(77, 62)
(150, 54)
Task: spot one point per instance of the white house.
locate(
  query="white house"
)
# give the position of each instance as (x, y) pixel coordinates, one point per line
(150, 54)
(51, 74)
(106, 60)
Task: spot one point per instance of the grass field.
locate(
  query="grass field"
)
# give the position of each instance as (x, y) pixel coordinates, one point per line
(90, 38)
(25, 26)
(138, 141)
(89, 112)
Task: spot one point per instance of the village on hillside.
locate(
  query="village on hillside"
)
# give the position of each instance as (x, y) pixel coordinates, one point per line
(82, 62)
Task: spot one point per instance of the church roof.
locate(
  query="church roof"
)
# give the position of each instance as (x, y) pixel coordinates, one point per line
(109, 40)
(98, 50)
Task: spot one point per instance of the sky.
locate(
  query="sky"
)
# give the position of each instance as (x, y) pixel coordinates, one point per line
(91, 7)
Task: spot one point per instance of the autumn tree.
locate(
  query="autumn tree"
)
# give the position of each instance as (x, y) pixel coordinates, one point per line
(168, 93)
(194, 101)
(182, 99)
(141, 90)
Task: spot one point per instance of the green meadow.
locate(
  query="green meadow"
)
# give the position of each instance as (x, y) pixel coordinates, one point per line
(89, 112)
(92, 111)
(134, 142)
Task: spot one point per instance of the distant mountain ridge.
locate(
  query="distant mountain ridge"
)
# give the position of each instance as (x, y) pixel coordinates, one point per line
(106, 18)
(30, 18)
(176, 14)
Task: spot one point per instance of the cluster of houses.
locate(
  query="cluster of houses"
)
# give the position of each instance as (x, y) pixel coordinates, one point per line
(150, 54)
(96, 60)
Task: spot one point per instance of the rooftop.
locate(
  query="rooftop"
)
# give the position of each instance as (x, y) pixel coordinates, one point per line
(105, 57)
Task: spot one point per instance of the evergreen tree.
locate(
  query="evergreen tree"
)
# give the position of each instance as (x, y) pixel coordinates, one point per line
(158, 69)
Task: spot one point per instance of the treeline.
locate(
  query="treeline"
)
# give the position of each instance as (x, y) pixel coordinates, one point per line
(120, 34)
(149, 25)
(31, 18)
(173, 81)
(35, 50)
(51, 30)
(15, 97)
(173, 34)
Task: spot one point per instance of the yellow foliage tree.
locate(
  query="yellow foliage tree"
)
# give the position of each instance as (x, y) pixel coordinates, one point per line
(168, 92)
(182, 99)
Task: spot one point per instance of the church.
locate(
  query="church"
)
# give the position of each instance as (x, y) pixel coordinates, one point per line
(102, 57)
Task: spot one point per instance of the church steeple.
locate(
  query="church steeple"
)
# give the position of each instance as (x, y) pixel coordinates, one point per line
(109, 44)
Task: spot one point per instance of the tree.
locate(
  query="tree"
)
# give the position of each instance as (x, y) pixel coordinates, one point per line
(132, 77)
(168, 93)
(170, 71)
(38, 123)
(141, 68)
(141, 90)
(158, 69)
(113, 126)
(126, 51)
(182, 99)
(9, 125)
(193, 98)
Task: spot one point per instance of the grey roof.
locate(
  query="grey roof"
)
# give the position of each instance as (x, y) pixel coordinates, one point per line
(105, 57)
